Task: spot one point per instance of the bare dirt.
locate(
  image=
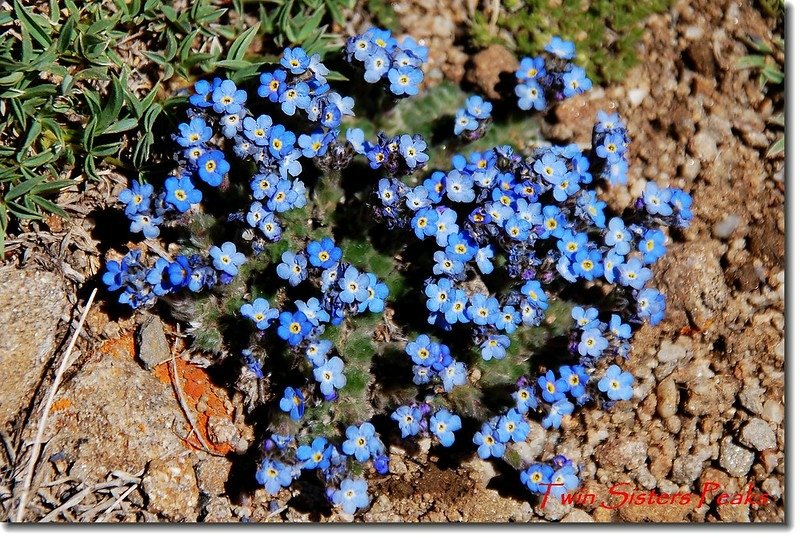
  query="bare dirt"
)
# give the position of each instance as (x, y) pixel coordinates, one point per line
(709, 402)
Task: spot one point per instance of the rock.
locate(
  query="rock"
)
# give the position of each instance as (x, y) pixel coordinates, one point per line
(735, 459)
(32, 303)
(669, 355)
(382, 510)
(725, 228)
(553, 509)
(637, 95)
(773, 411)
(218, 510)
(703, 146)
(709, 396)
(773, 487)
(699, 56)
(153, 346)
(577, 516)
(734, 513)
(532, 447)
(171, 488)
(487, 67)
(757, 434)
(115, 416)
(667, 394)
(622, 453)
(686, 469)
(212, 473)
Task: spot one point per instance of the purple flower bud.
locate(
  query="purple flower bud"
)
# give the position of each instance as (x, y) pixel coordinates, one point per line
(268, 444)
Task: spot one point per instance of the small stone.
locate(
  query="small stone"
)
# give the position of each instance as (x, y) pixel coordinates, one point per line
(667, 394)
(773, 411)
(221, 430)
(703, 146)
(735, 459)
(690, 169)
(153, 346)
(750, 397)
(699, 56)
(171, 488)
(382, 510)
(772, 487)
(669, 354)
(693, 32)
(686, 469)
(757, 434)
(487, 68)
(637, 95)
(725, 228)
(553, 509)
(577, 516)
(621, 453)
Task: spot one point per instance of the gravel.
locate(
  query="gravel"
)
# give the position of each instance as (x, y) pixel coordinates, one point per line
(735, 459)
(758, 434)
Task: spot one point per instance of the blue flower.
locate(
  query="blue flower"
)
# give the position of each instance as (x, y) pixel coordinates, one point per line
(575, 378)
(478, 108)
(657, 200)
(227, 99)
(651, 305)
(442, 424)
(525, 398)
(561, 48)
(531, 95)
(293, 267)
(455, 309)
(351, 495)
(618, 236)
(552, 389)
(588, 263)
(446, 264)
(317, 455)
(313, 311)
(488, 444)
(293, 327)
(330, 376)
(404, 81)
(633, 274)
(464, 122)
(294, 97)
(296, 60)
(354, 286)
(136, 198)
(494, 347)
(551, 168)
(566, 479)
(377, 292)
(483, 258)
(324, 254)
(273, 475)
(482, 309)
(226, 258)
(616, 384)
(313, 145)
(145, 224)
(575, 82)
(619, 329)
(512, 427)
(258, 129)
(585, 318)
(281, 141)
(361, 442)
(260, 313)
(592, 343)
(194, 133)
(293, 402)
(534, 293)
(459, 187)
(270, 227)
(558, 410)
(202, 93)
(508, 319)
(532, 68)
(412, 149)
(317, 352)
(181, 193)
(272, 84)
(453, 375)
(537, 477)
(212, 166)
(652, 246)
(612, 149)
(409, 419)
(377, 65)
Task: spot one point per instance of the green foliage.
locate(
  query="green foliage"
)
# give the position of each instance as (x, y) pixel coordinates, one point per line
(768, 59)
(605, 32)
(76, 92)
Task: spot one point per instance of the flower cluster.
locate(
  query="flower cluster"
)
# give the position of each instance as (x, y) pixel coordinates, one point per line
(397, 155)
(550, 78)
(397, 63)
(472, 120)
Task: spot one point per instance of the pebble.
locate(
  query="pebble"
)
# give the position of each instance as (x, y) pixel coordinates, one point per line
(693, 32)
(773, 411)
(703, 146)
(690, 169)
(734, 458)
(577, 516)
(757, 434)
(171, 488)
(153, 346)
(637, 95)
(772, 487)
(725, 228)
(667, 393)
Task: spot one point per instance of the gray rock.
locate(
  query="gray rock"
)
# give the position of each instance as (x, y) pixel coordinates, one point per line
(757, 434)
(622, 453)
(31, 305)
(153, 346)
(703, 146)
(687, 469)
(382, 510)
(735, 459)
(577, 516)
(773, 411)
(171, 488)
(750, 397)
(669, 354)
(725, 228)
(667, 394)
